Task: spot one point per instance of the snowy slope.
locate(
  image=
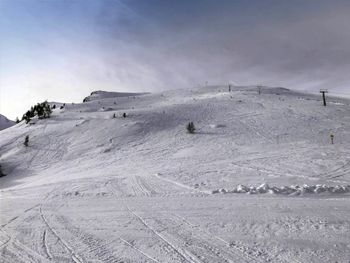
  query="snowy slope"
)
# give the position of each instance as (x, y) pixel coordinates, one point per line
(94, 188)
(5, 123)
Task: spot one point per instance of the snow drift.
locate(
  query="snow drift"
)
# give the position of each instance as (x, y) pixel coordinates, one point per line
(292, 190)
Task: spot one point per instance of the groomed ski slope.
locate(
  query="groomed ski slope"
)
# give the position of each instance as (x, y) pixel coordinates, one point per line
(93, 188)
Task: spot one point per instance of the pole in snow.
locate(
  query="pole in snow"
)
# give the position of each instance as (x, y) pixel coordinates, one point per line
(324, 91)
(259, 89)
(332, 138)
(229, 87)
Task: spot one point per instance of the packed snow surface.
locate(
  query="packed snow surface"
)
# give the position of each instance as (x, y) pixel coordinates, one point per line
(119, 179)
(5, 122)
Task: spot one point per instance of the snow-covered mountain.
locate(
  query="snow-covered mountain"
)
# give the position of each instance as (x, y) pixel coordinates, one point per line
(5, 122)
(94, 185)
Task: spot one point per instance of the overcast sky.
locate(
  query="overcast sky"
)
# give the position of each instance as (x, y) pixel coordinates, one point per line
(61, 50)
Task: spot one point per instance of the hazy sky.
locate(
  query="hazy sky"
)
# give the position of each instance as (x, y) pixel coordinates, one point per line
(61, 50)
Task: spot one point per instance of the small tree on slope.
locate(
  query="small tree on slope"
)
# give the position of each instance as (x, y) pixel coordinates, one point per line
(26, 141)
(1, 173)
(190, 127)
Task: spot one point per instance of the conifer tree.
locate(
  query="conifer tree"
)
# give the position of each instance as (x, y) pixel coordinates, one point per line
(190, 127)
(42, 110)
(1, 172)
(26, 141)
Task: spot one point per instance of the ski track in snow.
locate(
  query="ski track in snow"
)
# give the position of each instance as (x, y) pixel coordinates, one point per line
(193, 255)
(140, 251)
(47, 251)
(76, 258)
(186, 255)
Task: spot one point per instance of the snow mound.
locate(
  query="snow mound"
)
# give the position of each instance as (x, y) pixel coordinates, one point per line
(5, 122)
(292, 190)
(99, 94)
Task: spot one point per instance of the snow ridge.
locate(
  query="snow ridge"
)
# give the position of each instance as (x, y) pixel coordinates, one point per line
(5, 122)
(99, 94)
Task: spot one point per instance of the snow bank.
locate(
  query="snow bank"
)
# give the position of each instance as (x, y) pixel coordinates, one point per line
(286, 190)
